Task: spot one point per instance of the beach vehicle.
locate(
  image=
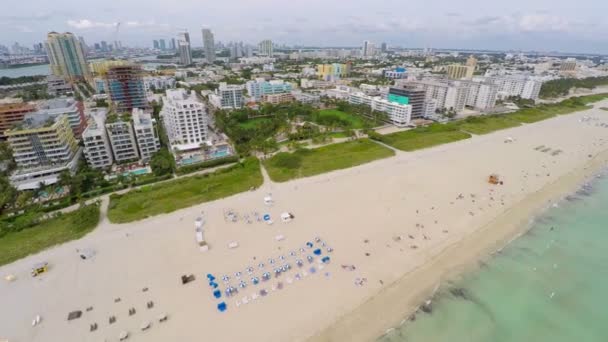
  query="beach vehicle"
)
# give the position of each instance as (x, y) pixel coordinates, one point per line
(494, 179)
(39, 268)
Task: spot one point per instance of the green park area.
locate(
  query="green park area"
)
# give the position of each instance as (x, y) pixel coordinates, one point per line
(338, 118)
(31, 233)
(184, 192)
(285, 166)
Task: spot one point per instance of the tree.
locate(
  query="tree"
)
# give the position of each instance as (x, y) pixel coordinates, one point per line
(8, 193)
(162, 163)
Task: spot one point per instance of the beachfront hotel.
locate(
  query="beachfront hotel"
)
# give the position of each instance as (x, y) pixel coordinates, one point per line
(146, 134)
(185, 119)
(399, 115)
(43, 146)
(97, 149)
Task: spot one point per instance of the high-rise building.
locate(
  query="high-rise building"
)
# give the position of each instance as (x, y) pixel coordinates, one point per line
(104, 46)
(185, 119)
(146, 134)
(333, 72)
(368, 49)
(162, 44)
(43, 147)
(122, 139)
(12, 113)
(97, 150)
(155, 44)
(228, 96)
(458, 71)
(185, 53)
(125, 86)
(66, 56)
(383, 47)
(209, 45)
(172, 44)
(265, 48)
(411, 95)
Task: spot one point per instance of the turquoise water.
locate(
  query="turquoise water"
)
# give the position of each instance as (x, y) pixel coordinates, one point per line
(137, 172)
(548, 285)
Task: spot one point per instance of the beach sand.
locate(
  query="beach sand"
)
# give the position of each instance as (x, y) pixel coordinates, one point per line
(406, 223)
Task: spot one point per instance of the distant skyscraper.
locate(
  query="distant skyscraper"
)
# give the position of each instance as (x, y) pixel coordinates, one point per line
(185, 53)
(265, 48)
(172, 44)
(104, 46)
(384, 47)
(162, 45)
(368, 49)
(125, 86)
(209, 45)
(66, 56)
(156, 45)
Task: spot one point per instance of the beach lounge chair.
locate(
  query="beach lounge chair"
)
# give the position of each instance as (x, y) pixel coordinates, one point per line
(162, 317)
(123, 336)
(145, 326)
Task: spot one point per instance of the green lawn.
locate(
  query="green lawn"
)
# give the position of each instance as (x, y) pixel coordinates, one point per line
(252, 123)
(547, 111)
(348, 120)
(66, 227)
(424, 137)
(486, 124)
(185, 192)
(304, 163)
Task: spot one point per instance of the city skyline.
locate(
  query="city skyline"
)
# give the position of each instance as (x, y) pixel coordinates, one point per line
(566, 27)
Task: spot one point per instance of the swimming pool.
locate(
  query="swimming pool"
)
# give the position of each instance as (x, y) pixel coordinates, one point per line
(137, 172)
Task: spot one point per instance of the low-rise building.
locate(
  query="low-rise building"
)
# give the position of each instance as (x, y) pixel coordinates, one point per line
(146, 134)
(57, 86)
(261, 87)
(278, 98)
(159, 82)
(398, 114)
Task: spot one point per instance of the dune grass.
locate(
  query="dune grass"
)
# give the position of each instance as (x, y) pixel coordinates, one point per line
(15, 245)
(486, 124)
(184, 192)
(304, 163)
(424, 137)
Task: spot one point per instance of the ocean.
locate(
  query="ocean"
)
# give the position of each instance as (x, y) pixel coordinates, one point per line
(548, 285)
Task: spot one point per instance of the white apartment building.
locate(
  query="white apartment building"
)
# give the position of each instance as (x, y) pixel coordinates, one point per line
(97, 149)
(400, 115)
(185, 119)
(65, 106)
(341, 92)
(159, 82)
(146, 134)
(449, 95)
(308, 84)
(524, 86)
(228, 96)
(482, 96)
(261, 87)
(122, 140)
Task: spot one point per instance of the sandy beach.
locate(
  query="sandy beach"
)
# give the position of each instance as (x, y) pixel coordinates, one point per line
(405, 223)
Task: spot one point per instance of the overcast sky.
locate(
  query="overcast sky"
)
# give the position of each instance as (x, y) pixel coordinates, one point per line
(560, 25)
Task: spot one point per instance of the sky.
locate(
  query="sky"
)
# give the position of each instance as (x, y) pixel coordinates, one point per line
(540, 25)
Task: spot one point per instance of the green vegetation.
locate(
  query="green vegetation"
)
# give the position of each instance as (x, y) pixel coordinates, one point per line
(101, 103)
(423, 137)
(337, 118)
(207, 164)
(254, 123)
(34, 93)
(562, 86)
(18, 80)
(184, 192)
(303, 163)
(29, 234)
(162, 162)
(546, 111)
(486, 124)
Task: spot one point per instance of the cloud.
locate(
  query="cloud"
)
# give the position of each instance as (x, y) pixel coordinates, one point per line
(84, 24)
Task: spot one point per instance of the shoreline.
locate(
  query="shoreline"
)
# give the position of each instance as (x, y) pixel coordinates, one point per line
(394, 305)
